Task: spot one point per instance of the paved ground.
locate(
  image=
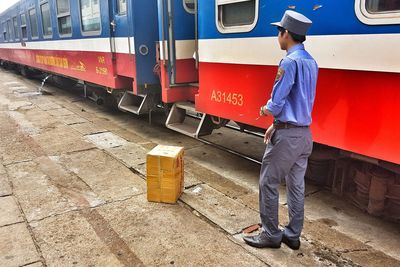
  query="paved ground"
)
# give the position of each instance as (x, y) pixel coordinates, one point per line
(73, 193)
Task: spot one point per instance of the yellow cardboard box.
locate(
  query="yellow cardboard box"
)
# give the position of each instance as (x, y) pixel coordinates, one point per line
(165, 174)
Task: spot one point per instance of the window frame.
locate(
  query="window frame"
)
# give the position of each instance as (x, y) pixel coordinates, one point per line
(63, 15)
(30, 23)
(23, 25)
(378, 18)
(42, 3)
(15, 28)
(187, 9)
(235, 29)
(90, 33)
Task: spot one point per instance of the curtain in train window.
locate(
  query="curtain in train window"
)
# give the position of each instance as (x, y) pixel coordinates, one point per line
(122, 7)
(16, 30)
(90, 15)
(189, 5)
(33, 22)
(377, 6)
(5, 37)
(46, 21)
(236, 12)
(23, 26)
(64, 17)
(9, 26)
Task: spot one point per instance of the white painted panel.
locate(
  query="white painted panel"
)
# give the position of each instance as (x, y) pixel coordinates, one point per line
(352, 52)
(83, 45)
(184, 49)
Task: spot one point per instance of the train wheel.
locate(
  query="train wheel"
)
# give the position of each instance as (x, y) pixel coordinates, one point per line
(63, 82)
(27, 72)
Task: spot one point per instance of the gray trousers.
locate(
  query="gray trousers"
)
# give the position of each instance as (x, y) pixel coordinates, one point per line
(285, 157)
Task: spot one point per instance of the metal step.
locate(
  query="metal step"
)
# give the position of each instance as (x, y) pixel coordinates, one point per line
(136, 104)
(178, 121)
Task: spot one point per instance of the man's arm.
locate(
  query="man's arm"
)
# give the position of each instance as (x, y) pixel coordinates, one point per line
(283, 84)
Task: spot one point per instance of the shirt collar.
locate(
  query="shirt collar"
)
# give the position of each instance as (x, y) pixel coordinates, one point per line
(295, 48)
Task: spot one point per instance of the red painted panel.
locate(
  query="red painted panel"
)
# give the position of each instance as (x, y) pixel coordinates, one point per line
(94, 67)
(354, 110)
(186, 73)
(125, 65)
(235, 92)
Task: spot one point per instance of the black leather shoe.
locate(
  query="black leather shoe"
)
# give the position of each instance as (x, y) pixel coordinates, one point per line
(261, 241)
(291, 243)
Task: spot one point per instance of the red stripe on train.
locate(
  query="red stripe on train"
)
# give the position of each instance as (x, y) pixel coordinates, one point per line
(356, 111)
(94, 67)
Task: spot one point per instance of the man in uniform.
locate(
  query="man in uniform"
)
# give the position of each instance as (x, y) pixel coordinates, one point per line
(288, 139)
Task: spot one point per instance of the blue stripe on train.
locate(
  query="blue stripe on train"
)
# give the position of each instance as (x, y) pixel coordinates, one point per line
(333, 18)
(25, 6)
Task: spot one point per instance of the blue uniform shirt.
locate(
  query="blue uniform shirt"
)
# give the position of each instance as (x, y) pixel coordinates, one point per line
(293, 94)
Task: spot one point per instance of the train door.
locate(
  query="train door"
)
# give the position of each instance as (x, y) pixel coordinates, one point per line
(177, 34)
(167, 38)
(135, 33)
(121, 37)
(179, 73)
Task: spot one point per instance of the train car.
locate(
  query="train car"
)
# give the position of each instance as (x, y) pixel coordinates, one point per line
(97, 41)
(356, 114)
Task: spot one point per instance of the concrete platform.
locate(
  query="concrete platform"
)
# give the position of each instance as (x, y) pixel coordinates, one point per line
(17, 247)
(9, 211)
(73, 193)
(5, 186)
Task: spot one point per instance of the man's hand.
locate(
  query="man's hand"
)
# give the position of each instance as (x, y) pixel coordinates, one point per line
(268, 134)
(264, 111)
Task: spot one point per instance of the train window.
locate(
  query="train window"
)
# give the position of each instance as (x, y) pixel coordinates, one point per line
(46, 20)
(122, 7)
(23, 26)
(64, 17)
(189, 6)
(9, 30)
(33, 22)
(236, 15)
(378, 12)
(5, 37)
(62, 7)
(376, 6)
(90, 15)
(16, 30)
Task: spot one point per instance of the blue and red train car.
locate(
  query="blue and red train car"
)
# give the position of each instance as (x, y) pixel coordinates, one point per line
(97, 41)
(354, 44)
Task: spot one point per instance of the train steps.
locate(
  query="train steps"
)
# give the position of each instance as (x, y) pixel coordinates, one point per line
(184, 119)
(136, 104)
